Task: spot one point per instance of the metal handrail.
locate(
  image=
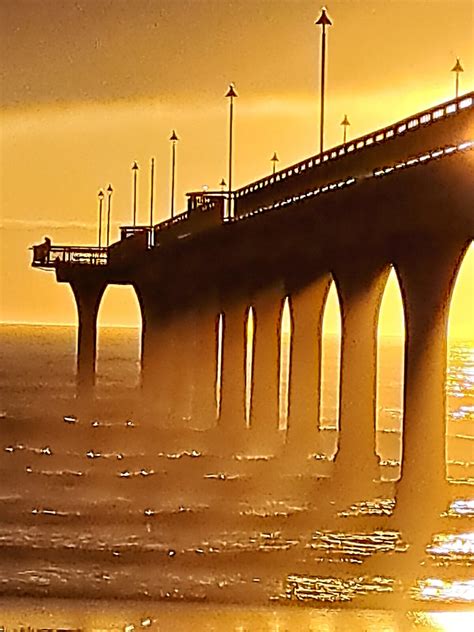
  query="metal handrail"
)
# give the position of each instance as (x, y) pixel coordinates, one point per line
(426, 117)
(177, 219)
(89, 255)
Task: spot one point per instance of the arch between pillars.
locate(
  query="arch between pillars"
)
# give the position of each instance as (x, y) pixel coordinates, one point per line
(330, 371)
(88, 292)
(390, 377)
(460, 342)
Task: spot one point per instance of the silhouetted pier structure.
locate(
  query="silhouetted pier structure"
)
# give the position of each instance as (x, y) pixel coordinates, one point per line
(402, 196)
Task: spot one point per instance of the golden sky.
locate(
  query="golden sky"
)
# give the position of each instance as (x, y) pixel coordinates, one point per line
(89, 86)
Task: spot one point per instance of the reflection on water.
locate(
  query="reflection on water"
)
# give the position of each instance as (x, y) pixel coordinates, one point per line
(127, 617)
(433, 589)
(106, 505)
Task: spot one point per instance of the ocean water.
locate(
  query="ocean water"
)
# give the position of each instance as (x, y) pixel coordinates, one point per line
(111, 519)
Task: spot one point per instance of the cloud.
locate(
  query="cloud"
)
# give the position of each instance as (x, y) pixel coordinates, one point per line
(25, 224)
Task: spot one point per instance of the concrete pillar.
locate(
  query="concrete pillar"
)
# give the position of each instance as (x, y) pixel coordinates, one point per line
(232, 416)
(88, 295)
(266, 370)
(427, 274)
(158, 354)
(180, 343)
(306, 307)
(157, 362)
(179, 360)
(360, 285)
(143, 330)
(204, 367)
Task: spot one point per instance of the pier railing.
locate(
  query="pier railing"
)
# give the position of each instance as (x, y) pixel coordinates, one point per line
(86, 255)
(132, 231)
(424, 118)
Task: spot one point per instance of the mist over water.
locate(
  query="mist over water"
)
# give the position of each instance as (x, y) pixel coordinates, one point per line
(103, 501)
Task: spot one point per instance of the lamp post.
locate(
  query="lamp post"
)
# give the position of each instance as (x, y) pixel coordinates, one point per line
(275, 160)
(100, 195)
(222, 185)
(457, 68)
(231, 94)
(345, 124)
(135, 177)
(174, 139)
(323, 21)
(152, 190)
(109, 209)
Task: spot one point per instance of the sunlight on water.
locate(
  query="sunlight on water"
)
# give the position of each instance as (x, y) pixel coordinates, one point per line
(445, 591)
(448, 621)
(106, 503)
(132, 618)
(453, 544)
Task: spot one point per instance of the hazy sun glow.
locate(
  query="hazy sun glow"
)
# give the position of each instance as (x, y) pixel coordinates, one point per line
(78, 110)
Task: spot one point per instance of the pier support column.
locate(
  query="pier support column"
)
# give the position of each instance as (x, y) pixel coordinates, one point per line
(157, 360)
(361, 285)
(143, 330)
(179, 362)
(264, 415)
(232, 414)
(427, 275)
(204, 367)
(306, 307)
(88, 294)
(180, 344)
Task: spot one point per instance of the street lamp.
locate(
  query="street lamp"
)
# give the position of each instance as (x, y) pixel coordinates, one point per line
(135, 176)
(174, 139)
(231, 94)
(345, 124)
(275, 160)
(152, 190)
(457, 68)
(324, 21)
(100, 195)
(222, 185)
(109, 209)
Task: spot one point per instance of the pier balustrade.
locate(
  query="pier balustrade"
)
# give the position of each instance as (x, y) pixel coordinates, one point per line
(426, 117)
(80, 255)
